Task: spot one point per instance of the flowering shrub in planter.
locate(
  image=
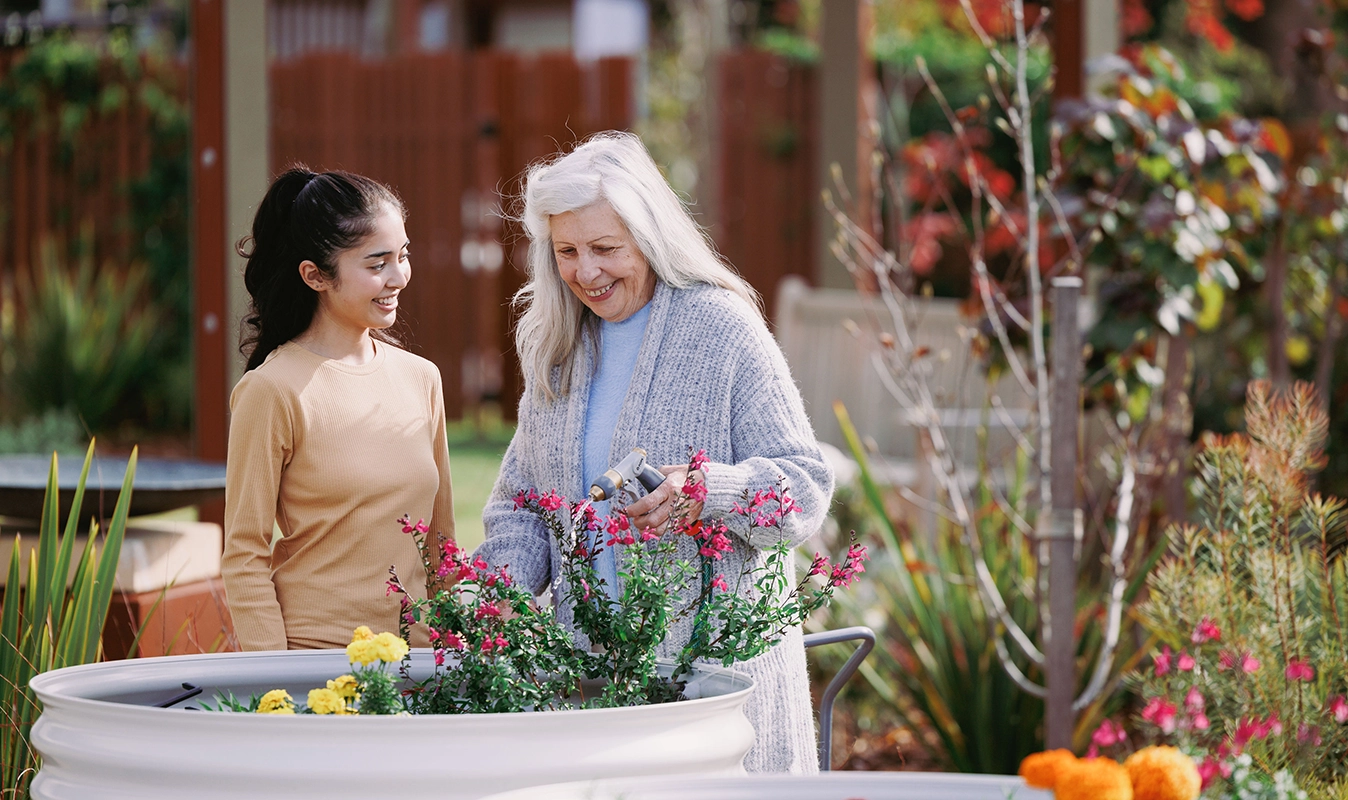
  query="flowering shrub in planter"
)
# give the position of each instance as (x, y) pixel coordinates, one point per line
(496, 650)
(1251, 615)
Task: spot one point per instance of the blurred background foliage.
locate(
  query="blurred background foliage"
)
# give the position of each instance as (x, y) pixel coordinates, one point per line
(103, 336)
(1211, 166)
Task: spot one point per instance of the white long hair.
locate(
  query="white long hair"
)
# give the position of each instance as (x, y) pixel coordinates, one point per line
(612, 167)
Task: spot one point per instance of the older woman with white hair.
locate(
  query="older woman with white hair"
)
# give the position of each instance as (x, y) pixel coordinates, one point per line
(634, 333)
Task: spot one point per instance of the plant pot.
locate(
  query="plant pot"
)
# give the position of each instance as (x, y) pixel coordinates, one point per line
(101, 736)
(828, 786)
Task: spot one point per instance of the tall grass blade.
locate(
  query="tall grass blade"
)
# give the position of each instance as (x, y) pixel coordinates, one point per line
(45, 625)
(107, 567)
(61, 572)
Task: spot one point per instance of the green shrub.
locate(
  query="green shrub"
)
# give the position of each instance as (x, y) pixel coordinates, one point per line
(47, 625)
(88, 341)
(1253, 605)
(937, 671)
(55, 430)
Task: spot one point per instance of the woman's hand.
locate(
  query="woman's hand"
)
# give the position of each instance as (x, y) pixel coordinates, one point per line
(657, 508)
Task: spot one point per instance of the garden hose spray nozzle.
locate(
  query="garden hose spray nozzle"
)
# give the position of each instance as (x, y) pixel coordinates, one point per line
(632, 467)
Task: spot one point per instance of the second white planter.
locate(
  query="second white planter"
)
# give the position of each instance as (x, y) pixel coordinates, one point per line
(100, 736)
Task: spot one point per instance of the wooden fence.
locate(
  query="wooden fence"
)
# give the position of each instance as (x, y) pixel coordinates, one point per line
(769, 192)
(55, 183)
(452, 133)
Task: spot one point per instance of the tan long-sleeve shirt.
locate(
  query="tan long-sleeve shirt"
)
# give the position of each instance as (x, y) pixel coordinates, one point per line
(334, 454)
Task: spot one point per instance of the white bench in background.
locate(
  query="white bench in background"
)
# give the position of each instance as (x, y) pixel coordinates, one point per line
(830, 363)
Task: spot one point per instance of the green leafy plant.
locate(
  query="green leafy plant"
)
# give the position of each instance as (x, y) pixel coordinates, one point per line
(497, 651)
(56, 430)
(1251, 608)
(88, 339)
(368, 689)
(939, 673)
(63, 88)
(46, 624)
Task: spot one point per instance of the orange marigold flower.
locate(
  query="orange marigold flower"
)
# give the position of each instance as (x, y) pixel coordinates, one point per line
(1163, 773)
(1093, 779)
(1040, 770)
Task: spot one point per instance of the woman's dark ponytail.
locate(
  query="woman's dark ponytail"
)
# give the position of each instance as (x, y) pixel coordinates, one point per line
(304, 216)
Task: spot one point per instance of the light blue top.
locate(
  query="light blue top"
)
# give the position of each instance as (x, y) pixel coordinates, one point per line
(619, 345)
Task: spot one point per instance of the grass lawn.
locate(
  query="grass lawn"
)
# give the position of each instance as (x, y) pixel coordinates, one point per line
(476, 445)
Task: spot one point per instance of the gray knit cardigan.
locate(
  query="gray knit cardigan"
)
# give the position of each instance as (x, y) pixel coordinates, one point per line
(710, 376)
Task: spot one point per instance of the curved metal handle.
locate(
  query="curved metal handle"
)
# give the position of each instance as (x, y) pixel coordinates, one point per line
(867, 638)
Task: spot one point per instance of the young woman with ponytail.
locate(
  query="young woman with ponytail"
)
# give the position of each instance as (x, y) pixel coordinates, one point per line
(335, 431)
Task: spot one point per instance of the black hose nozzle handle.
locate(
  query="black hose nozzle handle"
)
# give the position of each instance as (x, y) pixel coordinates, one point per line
(632, 467)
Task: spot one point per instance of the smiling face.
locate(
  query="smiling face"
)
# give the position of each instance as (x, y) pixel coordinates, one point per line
(600, 261)
(370, 275)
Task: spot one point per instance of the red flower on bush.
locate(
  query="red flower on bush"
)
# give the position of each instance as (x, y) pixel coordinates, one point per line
(1338, 708)
(1206, 631)
(1299, 670)
(1161, 713)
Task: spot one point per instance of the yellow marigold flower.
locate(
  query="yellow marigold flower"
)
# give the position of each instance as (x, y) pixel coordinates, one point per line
(1163, 773)
(389, 647)
(1040, 770)
(346, 688)
(326, 701)
(277, 701)
(362, 634)
(1093, 779)
(362, 651)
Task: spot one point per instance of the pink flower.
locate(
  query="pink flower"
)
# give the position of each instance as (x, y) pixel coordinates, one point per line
(1199, 721)
(1194, 702)
(1251, 728)
(820, 565)
(715, 546)
(1206, 631)
(439, 657)
(695, 490)
(1249, 664)
(1185, 662)
(586, 586)
(501, 643)
(649, 534)
(1208, 770)
(856, 554)
(520, 501)
(1225, 660)
(719, 583)
(487, 610)
(698, 461)
(452, 641)
(1160, 713)
(1338, 706)
(551, 501)
(1299, 670)
(486, 645)
(1309, 733)
(1108, 734)
(1162, 660)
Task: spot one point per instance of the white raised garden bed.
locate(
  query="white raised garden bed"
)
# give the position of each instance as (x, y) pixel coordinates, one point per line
(101, 736)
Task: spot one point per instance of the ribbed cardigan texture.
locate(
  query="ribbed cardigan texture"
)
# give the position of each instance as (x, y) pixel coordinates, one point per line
(710, 376)
(334, 454)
